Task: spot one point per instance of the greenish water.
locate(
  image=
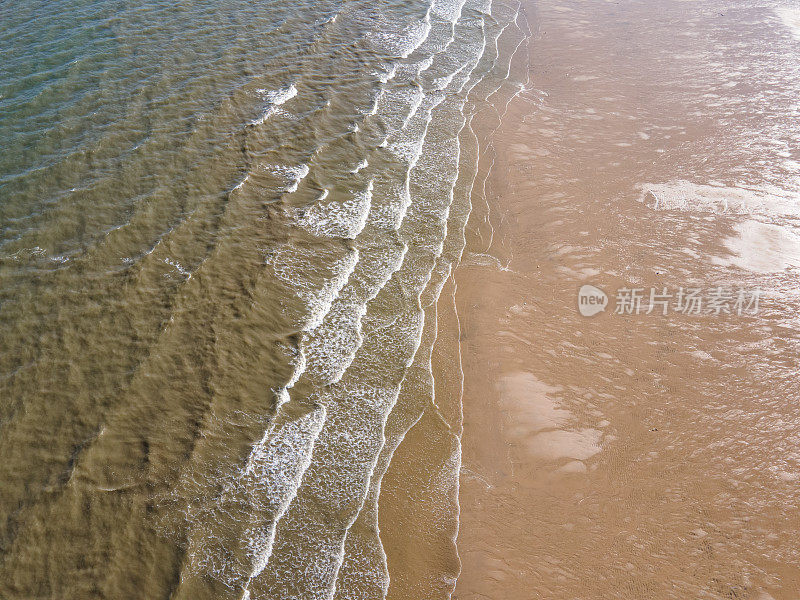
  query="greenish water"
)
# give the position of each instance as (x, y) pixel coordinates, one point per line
(220, 226)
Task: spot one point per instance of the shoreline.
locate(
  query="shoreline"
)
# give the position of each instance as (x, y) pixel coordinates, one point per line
(641, 455)
(226, 362)
(418, 505)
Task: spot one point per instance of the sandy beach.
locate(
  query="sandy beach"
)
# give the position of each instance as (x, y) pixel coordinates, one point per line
(400, 300)
(653, 453)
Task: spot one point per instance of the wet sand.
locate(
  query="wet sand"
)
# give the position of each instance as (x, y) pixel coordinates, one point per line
(643, 455)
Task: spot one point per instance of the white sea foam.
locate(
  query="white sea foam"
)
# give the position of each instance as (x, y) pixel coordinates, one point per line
(449, 10)
(688, 196)
(268, 463)
(274, 99)
(416, 35)
(293, 175)
(280, 96)
(339, 219)
(307, 273)
(260, 540)
(381, 579)
(362, 165)
(356, 413)
(408, 145)
(764, 247)
(178, 267)
(505, 78)
(403, 42)
(449, 183)
(299, 369)
(416, 102)
(374, 108)
(255, 497)
(426, 63)
(395, 106)
(272, 477)
(332, 347)
(241, 183)
(442, 83)
(389, 75)
(790, 15)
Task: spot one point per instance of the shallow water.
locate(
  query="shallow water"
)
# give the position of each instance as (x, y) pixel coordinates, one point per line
(223, 226)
